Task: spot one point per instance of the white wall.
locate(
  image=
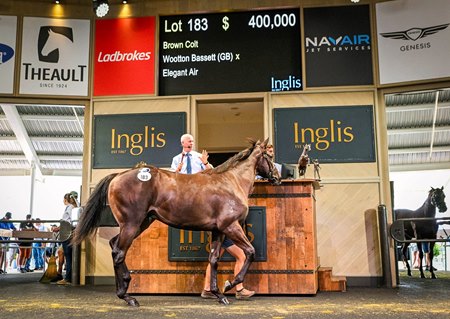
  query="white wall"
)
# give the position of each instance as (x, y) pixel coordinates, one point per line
(411, 188)
(15, 194)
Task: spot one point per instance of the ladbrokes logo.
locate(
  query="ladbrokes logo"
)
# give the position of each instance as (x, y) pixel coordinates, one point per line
(6, 53)
(53, 42)
(415, 34)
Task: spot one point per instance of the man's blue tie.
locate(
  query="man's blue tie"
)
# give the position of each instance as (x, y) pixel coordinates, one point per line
(188, 163)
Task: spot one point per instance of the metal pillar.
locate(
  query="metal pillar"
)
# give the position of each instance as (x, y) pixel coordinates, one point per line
(384, 245)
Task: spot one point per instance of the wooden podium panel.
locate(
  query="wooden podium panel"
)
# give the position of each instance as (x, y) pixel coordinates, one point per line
(292, 262)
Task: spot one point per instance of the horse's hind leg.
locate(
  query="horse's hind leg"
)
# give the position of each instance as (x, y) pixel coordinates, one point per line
(405, 257)
(214, 255)
(120, 245)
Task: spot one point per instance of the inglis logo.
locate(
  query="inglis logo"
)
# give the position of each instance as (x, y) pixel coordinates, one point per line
(288, 84)
(6, 53)
(53, 42)
(414, 33)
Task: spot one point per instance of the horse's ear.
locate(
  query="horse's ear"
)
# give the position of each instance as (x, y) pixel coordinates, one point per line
(264, 144)
(442, 188)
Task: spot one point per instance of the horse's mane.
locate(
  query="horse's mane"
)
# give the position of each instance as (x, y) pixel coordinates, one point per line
(233, 161)
(230, 163)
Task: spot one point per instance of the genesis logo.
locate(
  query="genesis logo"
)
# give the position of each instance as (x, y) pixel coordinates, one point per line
(6, 53)
(414, 33)
(53, 42)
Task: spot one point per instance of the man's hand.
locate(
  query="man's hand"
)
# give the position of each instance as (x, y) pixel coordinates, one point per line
(205, 157)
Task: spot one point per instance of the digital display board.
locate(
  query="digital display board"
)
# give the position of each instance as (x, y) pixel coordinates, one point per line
(230, 52)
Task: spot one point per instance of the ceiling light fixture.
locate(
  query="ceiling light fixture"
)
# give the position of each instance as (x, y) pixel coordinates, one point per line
(101, 7)
(124, 1)
(355, 1)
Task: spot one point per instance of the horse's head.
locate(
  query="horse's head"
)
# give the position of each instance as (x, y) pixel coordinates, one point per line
(265, 167)
(437, 198)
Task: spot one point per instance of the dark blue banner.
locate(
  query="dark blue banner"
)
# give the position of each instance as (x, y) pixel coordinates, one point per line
(338, 46)
(187, 245)
(338, 134)
(122, 140)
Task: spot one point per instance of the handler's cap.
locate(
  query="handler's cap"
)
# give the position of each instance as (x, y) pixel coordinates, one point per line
(8, 215)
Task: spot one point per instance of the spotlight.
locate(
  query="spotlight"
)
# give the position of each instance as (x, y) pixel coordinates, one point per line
(101, 7)
(124, 1)
(57, 2)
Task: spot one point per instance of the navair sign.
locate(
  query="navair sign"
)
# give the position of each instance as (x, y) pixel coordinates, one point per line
(124, 56)
(8, 29)
(55, 57)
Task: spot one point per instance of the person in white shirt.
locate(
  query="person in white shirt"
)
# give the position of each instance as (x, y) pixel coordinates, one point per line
(191, 162)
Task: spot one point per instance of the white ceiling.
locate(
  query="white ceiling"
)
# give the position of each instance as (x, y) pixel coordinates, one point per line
(43, 139)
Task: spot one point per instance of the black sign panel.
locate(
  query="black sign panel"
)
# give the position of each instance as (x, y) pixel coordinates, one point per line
(253, 51)
(121, 141)
(339, 134)
(185, 245)
(338, 46)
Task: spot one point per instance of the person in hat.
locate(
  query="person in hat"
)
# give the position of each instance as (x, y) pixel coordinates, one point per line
(5, 224)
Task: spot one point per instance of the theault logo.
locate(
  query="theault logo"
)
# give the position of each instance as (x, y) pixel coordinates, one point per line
(53, 42)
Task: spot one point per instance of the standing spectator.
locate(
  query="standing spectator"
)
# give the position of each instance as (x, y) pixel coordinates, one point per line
(5, 224)
(38, 249)
(25, 248)
(70, 202)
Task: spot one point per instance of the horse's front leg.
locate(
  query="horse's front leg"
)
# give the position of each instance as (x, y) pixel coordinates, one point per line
(433, 276)
(419, 246)
(237, 235)
(214, 256)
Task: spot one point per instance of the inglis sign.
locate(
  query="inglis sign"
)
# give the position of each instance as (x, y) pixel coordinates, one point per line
(55, 57)
(338, 134)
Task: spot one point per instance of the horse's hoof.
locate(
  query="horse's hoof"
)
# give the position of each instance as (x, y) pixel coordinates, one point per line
(224, 301)
(133, 303)
(227, 286)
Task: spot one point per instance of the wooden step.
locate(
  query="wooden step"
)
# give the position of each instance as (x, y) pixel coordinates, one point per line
(328, 282)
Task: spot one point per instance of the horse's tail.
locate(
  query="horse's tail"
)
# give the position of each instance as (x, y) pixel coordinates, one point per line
(90, 218)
